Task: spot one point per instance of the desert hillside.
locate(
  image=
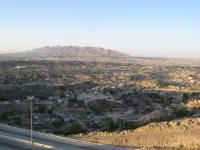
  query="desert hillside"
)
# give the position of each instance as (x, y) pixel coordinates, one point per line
(174, 134)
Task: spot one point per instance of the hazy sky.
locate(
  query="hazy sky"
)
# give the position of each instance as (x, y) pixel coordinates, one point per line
(158, 28)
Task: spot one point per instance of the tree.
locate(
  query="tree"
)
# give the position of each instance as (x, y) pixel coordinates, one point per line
(185, 97)
(4, 116)
(18, 120)
(110, 125)
(74, 128)
(182, 112)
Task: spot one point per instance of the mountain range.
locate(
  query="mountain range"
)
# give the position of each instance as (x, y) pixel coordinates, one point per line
(72, 53)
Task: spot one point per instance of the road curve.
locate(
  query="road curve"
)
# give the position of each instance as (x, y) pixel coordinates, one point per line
(11, 138)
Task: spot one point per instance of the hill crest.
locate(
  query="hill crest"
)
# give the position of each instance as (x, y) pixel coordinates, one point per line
(72, 53)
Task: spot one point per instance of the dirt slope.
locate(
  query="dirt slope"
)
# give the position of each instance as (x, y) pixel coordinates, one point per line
(177, 133)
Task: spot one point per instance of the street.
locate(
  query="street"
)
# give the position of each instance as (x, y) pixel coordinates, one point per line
(12, 138)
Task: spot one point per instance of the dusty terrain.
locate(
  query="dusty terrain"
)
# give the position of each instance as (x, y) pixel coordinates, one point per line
(174, 134)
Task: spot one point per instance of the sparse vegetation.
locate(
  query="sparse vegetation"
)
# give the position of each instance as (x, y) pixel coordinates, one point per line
(128, 95)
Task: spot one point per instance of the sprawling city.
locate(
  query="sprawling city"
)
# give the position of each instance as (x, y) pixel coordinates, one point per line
(74, 98)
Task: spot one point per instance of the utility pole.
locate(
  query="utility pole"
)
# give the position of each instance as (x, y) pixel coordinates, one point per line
(30, 98)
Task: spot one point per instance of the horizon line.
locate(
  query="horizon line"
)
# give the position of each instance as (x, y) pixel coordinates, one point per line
(3, 52)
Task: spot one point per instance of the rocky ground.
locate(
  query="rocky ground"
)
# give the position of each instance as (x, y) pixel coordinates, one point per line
(184, 133)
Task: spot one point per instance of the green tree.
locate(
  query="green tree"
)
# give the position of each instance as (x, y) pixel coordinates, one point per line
(18, 120)
(110, 125)
(182, 112)
(74, 128)
(4, 116)
(185, 97)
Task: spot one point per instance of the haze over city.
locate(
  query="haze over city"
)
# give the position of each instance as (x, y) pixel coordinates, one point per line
(139, 28)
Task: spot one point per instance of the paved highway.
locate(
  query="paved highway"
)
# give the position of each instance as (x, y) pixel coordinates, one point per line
(12, 138)
(7, 143)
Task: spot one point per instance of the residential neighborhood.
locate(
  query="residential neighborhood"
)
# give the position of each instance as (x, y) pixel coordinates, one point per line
(75, 96)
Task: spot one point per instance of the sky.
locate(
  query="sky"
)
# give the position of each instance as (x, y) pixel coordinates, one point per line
(153, 28)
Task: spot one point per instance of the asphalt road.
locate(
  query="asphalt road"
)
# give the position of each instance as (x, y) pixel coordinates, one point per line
(10, 143)
(12, 138)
